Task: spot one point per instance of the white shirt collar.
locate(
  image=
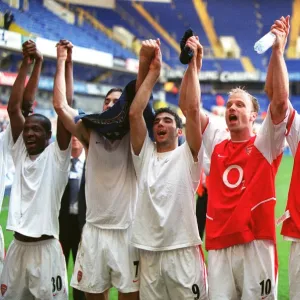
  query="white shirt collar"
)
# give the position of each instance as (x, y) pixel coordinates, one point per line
(81, 156)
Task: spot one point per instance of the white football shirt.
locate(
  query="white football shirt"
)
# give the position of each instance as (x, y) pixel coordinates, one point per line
(165, 216)
(111, 185)
(37, 190)
(5, 144)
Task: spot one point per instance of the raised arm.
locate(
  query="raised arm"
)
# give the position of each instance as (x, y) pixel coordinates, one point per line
(280, 25)
(69, 72)
(187, 77)
(14, 106)
(280, 81)
(59, 92)
(65, 113)
(138, 129)
(146, 55)
(30, 50)
(192, 100)
(269, 79)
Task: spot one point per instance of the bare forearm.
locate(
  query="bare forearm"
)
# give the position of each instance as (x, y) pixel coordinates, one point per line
(14, 106)
(69, 82)
(16, 96)
(269, 79)
(65, 113)
(190, 87)
(32, 85)
(59, 92)
(183, 90)
(138, 129)
(143, 94)
(192, 113)
(280, 80)
(279, 103)
(144, 64)
(193, 92)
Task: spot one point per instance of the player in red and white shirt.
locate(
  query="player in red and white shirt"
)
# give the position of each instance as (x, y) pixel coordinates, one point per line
(240, 233)
(291, 217)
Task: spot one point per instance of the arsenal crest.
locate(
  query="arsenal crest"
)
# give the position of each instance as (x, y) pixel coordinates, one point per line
(79, 276)
(3, 289)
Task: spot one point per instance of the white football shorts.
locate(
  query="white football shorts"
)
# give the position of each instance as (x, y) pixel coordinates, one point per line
(173, 275)
(2, 250)
(247, 271)
(35, 270)
(105, 259)
(294, 271)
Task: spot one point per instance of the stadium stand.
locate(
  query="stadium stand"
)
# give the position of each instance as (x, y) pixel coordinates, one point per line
(41, 22)
(232, 65)
(254, 20)
(125, 16)
(181, 16)
(36, 21)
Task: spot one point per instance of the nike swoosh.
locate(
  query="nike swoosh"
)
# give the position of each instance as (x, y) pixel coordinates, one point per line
(221, 155)
(135, 280)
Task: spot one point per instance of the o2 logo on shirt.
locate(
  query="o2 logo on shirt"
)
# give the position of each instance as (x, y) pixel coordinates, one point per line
(238, 181)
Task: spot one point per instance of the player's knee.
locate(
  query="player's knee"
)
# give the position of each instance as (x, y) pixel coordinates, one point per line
(129, 296)
(102, 296)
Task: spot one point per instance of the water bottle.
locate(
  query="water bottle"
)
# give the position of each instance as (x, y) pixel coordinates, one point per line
(265, 43)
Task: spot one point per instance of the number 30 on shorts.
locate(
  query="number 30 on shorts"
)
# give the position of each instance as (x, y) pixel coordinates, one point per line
(56, 284)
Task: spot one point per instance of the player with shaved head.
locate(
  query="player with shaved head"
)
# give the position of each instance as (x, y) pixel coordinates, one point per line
(35, 266)
(26, 95)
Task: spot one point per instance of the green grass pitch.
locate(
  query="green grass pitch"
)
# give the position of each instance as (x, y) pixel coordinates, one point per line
(282, 185)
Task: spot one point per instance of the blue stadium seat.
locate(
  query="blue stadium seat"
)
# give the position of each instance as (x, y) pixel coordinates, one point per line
(231, 65)
(247, 32)
(42, 22)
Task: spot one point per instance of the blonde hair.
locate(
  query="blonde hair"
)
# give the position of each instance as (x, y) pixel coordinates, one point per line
(241, 90)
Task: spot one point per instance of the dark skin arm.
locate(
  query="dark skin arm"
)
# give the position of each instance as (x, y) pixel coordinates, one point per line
(14, 106)
(33, 55)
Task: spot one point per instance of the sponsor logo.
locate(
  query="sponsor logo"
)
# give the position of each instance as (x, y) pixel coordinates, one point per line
(3, 289)
(79, 276)
(239, 180)
(135, 280)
